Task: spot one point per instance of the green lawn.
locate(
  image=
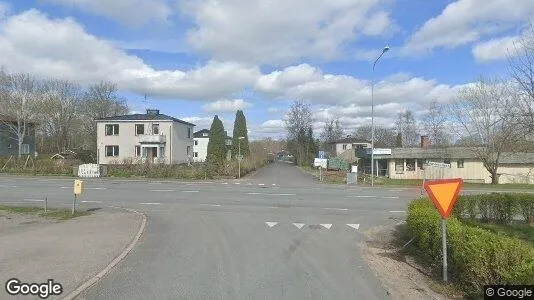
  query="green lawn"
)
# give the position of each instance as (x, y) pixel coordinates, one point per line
(59, 214)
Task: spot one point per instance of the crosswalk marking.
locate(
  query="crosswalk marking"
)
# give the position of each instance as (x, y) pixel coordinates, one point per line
(271, 224)
(299, 225)
(327, 226)
(355, 226)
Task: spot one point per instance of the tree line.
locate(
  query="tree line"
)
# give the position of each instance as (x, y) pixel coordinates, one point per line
(61, 112)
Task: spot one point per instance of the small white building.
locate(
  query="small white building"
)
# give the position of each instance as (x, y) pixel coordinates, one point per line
(200, 148)
(152, 137)
(346, 148)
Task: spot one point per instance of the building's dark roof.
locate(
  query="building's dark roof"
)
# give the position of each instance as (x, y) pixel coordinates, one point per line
(144, 117)
(350, 140)
(199, 134)
(458, 153)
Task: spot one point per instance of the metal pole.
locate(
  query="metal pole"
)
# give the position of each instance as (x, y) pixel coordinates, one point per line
(444, 246)
(73, 204)
(373, 123)
(320, 174)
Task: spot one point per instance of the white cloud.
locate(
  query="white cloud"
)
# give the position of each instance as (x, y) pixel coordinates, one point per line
(495, 49)
(466, 21)
(273, 110)
(4, 10)
(271, 126)
(281, 31)
(31, 42)
(130, 12)
(227, 105)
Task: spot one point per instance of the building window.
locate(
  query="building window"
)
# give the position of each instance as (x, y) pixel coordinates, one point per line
(155, 128)
(196, 143)
(137, 151)
(195, 154)
(10, 146)
(139, 129)
(188, 132)
(421, 164)
(188, 150)
(460, 163)
(112, 129)
(112, 151)
(344, 146)
(399, 165)
(25, 149)
(410, 165)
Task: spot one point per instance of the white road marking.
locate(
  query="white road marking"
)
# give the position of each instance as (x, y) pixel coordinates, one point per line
(254, 193)
(66, 187)
(281, 194)
(237, 182)
(271, 224)
(355, 226)
(224, 183)
(327, 226)
(190, 191)
(391, 197)
(397, 211)
(261, 184)
(162, 190)
(341, 209)
(150, 203)
(91, 201)
(275, 207)
(154, 183)
(96, 188)
(214, 205)
(274, 184)
(299, 225)
(362, 196)
(34, 200)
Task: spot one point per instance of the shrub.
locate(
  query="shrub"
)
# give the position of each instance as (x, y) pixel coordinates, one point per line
(476, 256)
(496, 207)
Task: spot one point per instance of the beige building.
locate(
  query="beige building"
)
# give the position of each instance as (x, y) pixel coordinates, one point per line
(456, 162)
(138, 138)
(346, 148)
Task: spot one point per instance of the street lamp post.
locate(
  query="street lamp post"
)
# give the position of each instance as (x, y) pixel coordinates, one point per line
(386, 49)
(239, 156)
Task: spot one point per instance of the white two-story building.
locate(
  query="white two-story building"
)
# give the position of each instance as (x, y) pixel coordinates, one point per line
(152, 137)
(200, 148)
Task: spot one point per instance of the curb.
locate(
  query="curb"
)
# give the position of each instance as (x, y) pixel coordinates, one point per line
(86, 285)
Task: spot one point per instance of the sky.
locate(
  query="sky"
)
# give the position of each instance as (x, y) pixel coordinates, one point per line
(197, 58)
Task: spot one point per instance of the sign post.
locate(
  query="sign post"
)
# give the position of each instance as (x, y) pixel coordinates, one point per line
(78, 186)
(444, 193)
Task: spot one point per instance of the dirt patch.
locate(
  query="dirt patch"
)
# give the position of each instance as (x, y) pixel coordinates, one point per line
(399, 274)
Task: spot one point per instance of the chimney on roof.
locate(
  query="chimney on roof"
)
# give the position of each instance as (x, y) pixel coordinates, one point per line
(152, 112)
(425, 142)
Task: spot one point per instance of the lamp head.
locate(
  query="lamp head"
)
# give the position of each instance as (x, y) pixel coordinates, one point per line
(386, 49)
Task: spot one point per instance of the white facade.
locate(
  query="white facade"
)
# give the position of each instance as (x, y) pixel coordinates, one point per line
(342, 147)
(200, 149)
(156, 141)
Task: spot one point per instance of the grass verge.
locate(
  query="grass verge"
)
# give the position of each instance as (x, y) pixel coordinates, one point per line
(53, 213)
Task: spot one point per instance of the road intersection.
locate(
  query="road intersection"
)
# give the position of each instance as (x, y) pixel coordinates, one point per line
(275, 235)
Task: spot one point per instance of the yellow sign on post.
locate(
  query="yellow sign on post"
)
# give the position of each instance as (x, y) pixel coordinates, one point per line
(78, 186)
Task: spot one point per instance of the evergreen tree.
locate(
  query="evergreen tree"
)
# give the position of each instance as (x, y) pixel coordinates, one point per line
(240, 129)
(216, 144)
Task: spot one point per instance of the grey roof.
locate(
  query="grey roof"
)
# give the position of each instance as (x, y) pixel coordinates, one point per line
(458, 153)
(144, 117)
(349, 140)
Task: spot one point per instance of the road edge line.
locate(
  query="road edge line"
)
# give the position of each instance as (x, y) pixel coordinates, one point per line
(93, 280)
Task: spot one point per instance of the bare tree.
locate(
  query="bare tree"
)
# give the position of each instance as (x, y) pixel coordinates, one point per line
(434, 124)
(61, 105)
(407, 128)
(101, 100)
(488, 113)
(300, 132)
(522, 71)
(19, 105)
(384, 136)
(332, 131)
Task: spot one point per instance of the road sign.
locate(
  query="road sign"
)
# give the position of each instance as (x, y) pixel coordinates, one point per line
(321, 154)
(78, 185)
(444, 193)
(320, 162)
(438, 164)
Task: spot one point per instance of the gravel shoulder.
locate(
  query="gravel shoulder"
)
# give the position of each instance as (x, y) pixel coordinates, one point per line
(400, 276)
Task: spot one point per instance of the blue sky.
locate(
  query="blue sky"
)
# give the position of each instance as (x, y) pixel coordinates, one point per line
(197, 58)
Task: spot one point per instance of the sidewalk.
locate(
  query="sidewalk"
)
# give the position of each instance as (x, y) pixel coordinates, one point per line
(69, 252)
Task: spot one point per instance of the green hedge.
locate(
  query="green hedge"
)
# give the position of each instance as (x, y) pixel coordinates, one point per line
(496, 207)
(475, 256)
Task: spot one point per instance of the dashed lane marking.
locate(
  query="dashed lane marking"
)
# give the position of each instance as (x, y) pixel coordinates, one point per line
(190, 191)
(162, 191)
(340, 209)
(150, 203)
(355, 226)
(34, 200)
(91, 201)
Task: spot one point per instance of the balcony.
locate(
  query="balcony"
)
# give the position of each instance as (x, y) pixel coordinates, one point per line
(152, 139)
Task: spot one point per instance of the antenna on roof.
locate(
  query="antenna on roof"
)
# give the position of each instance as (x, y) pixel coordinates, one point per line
(145, 102)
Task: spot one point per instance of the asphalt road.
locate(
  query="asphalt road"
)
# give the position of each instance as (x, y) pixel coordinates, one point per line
(277, 234)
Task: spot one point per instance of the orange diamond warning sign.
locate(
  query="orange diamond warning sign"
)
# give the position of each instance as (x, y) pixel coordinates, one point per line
(444, 193)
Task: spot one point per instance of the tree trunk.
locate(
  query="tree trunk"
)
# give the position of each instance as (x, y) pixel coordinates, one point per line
(20, 141)
(494, 177)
